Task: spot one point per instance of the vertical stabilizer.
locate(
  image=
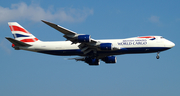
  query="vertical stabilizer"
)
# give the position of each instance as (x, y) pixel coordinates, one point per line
(21, 34)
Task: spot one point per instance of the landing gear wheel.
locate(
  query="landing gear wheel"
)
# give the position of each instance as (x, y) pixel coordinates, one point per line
(157, 57)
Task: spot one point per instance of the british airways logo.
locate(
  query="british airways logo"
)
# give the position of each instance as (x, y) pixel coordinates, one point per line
(150, 37)
(133, 42)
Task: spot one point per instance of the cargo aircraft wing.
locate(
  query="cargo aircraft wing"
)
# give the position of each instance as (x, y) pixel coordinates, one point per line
(87, 44)
(70, 35)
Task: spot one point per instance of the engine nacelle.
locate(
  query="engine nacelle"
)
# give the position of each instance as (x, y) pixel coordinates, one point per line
(92, 61)
(106, 46)
(84, 38)
(109, 59)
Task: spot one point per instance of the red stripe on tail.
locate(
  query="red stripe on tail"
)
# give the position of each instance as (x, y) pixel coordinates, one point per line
(29, 40)
(36, 39)
(16, 28)
(11, 28)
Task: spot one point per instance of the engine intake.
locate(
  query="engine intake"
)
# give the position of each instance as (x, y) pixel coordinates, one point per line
(84, 38)
(109, 59)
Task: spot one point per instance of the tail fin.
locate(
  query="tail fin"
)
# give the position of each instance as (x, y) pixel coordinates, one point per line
(21, 34)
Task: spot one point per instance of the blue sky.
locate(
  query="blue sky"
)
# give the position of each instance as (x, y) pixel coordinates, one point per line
(24, 73)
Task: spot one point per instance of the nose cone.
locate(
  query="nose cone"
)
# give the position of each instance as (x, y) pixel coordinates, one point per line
(169, 44)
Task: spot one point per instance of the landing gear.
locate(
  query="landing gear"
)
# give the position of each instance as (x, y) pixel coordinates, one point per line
(157, 57)
(94, 54)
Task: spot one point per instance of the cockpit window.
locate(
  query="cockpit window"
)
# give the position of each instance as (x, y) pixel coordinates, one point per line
(162, 37)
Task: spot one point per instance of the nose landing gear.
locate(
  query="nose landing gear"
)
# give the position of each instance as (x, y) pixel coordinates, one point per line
(157, 57)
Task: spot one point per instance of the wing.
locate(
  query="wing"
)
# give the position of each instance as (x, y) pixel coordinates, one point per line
(87, 44)
(70, 35)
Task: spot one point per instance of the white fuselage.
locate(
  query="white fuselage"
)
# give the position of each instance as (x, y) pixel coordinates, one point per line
(125, 46)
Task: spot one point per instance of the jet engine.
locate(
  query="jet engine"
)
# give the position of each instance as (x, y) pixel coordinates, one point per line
(106, 46)
(83, 38)
(92, 61)
(109, 59)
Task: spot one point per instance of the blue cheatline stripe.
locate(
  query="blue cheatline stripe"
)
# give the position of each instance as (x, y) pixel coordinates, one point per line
(117, 52)
(63, 52)
(20, 35)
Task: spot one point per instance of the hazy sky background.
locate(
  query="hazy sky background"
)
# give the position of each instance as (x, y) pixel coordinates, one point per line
(24, 73)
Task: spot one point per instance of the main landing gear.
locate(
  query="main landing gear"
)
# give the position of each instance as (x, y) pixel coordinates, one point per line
(157, 57)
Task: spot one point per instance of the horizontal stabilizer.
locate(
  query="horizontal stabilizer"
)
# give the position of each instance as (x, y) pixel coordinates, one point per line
(17, 43)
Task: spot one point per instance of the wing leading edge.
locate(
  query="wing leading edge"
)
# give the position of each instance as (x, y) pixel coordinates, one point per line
(60, 29)
(70, 35)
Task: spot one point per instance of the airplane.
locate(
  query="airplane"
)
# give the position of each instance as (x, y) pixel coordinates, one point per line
(89, 50)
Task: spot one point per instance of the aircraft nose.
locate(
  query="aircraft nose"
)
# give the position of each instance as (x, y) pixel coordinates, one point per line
(169, 44)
